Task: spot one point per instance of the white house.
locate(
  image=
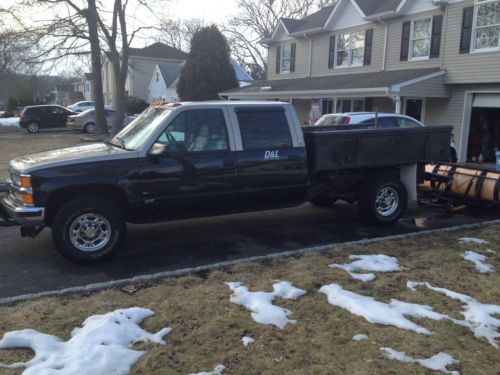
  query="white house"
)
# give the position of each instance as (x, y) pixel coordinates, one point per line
(85, 87)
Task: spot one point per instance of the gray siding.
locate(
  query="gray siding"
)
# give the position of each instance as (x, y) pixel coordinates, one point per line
(431, 88)
(466, 68)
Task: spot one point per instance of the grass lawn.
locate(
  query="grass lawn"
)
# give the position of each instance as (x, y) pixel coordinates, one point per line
(208, 328)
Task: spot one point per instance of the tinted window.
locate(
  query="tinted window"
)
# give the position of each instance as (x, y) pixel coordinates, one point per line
(330, 120)
(387, 122)
(262, 130)
(196, 130)
(408, 123)
(58, 110)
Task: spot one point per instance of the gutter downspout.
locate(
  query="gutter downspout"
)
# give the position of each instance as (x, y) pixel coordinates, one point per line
(386, 39)
(310, 53)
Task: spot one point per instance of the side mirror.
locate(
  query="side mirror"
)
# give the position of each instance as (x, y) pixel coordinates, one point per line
(158, 149)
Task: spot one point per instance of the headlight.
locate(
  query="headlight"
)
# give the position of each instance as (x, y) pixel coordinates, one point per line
(21, 180)
(16, 179)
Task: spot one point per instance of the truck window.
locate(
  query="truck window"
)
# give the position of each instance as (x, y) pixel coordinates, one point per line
(196, 130)
(264, 130)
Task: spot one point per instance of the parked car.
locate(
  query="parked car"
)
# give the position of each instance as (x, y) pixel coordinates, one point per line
(384, 121)
(187, 160)
(37, 117)
(85, 121)
(81, 106)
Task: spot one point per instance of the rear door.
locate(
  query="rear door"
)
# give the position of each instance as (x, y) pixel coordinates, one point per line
(59, 116)
(271, 165)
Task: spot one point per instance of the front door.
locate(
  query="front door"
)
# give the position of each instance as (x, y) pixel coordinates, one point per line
(195, 174)
(414, 108)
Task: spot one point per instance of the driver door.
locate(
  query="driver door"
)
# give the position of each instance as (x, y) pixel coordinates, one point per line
(191, 170)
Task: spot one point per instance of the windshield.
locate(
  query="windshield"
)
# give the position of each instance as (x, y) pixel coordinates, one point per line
(134, 135)
(331, 120)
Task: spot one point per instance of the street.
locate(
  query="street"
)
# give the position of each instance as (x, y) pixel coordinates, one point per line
(33, 265)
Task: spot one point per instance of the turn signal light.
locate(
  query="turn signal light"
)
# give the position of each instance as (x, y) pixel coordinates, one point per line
(26, 181)
(28, 199)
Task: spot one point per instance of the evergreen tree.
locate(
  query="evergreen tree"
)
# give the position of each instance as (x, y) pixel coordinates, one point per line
(208, 70)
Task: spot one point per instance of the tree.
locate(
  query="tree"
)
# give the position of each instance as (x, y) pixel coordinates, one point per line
(208, 70)
(257, 20)
(177, 32)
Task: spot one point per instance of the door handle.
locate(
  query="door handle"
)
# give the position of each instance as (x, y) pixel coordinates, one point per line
(229, 163)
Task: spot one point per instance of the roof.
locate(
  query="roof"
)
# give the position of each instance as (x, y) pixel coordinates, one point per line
(159, 51)
(170, 72)
(88, 76)
(313, 21)
(363, 81)
(241, 74)
(371, 7)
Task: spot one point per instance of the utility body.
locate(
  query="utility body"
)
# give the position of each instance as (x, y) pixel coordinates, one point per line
(188, 160)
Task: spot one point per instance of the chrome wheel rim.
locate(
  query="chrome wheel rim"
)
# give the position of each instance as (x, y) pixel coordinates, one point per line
(387, 201)
(33, 128)
(90, 129)
(90, 232)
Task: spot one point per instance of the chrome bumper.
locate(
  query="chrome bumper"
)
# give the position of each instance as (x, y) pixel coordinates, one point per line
(14, 213)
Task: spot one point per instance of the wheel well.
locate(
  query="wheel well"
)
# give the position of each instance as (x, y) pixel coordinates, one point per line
(62, 196)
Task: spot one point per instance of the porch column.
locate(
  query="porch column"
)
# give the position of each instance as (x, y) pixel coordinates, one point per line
(397, 103)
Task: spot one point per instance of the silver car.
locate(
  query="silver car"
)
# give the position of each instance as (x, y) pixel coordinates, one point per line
(85, 121)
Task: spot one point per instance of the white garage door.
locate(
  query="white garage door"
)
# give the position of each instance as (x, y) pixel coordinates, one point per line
(486, 101)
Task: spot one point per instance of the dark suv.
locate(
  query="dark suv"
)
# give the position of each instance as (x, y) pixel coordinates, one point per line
(43, 116)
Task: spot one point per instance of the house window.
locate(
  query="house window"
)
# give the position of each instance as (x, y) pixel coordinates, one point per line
(285, 58)
(420, 43)
(350, 105)
(350, 49)
(486, 34)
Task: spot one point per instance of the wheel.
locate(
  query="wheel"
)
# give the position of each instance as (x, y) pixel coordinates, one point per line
(88, 230)
(89, 128)
(33, 128)
(383, 200)
(323, 201)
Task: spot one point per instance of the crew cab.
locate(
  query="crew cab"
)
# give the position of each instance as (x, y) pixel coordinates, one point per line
(188, 160)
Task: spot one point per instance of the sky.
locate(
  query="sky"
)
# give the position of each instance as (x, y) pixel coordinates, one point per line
(210, 10)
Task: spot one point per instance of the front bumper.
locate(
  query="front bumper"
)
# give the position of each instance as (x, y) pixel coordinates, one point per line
(13, 213)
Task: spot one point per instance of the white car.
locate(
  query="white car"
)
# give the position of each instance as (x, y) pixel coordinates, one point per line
(81, 106)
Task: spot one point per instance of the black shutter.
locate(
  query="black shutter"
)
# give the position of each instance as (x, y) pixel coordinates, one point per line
(467, 20)
(278, 59)
(293, 48)
(437, 26)
(405, 41)
(368, 47)
(331, 53)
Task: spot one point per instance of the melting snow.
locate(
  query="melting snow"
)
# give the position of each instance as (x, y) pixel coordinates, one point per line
(478, 316)
(439, 362)
(247, 340)
(100, 346)
(392, 314)
(479, 261)
(260, 303)
(10, 121)
(360, 337)
(478, 241)
(218, 370)
(489, 251)
(375, 263)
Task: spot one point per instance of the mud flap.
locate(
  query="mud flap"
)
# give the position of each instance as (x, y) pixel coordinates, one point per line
(408, 176)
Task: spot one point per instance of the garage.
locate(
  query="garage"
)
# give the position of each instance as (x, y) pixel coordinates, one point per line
(484, 133)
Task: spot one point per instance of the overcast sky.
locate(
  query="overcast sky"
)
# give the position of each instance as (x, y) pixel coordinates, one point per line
(210, 10)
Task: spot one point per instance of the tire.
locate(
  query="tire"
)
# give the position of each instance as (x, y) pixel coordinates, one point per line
(89, 128)
(383, 201)
(88, 230)
(323, 201)
(33, 128)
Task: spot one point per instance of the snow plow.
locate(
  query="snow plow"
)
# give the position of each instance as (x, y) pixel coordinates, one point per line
(460, 185)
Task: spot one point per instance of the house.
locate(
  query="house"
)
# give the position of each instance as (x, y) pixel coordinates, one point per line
(66, 95)
(163, 85)
(435, 60)
(84, 86)
(142, 64)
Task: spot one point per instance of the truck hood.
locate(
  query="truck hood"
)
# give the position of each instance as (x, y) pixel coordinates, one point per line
(86, 153)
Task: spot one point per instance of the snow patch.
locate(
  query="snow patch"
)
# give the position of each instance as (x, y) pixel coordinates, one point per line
(439, 362)
(479, 261)
(247, 340)
(9, 121)
(392, 314)
(101, 346)
(260, 303)
(360, 337)
(478, 241)
(489, 251)
(478, 316)
(218, 370)
(374, 263)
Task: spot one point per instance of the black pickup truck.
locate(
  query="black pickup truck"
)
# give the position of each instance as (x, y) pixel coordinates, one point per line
(189, 160)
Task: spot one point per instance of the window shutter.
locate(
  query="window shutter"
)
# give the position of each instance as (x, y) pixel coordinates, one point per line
(368, 47)
(467, 20)
(331, 53)
(293, 48)
(437, 26)
(278, 59)
(405, 41)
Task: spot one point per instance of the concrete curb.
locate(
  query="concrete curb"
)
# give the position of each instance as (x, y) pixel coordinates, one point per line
(149, 279)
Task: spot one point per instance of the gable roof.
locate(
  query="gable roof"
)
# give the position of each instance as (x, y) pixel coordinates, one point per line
(313, 21)
(170, 72)
(159, 51)
(372, 7)
(241, 74)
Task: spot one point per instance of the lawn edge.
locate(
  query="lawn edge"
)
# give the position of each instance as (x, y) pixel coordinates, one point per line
(152, 278)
